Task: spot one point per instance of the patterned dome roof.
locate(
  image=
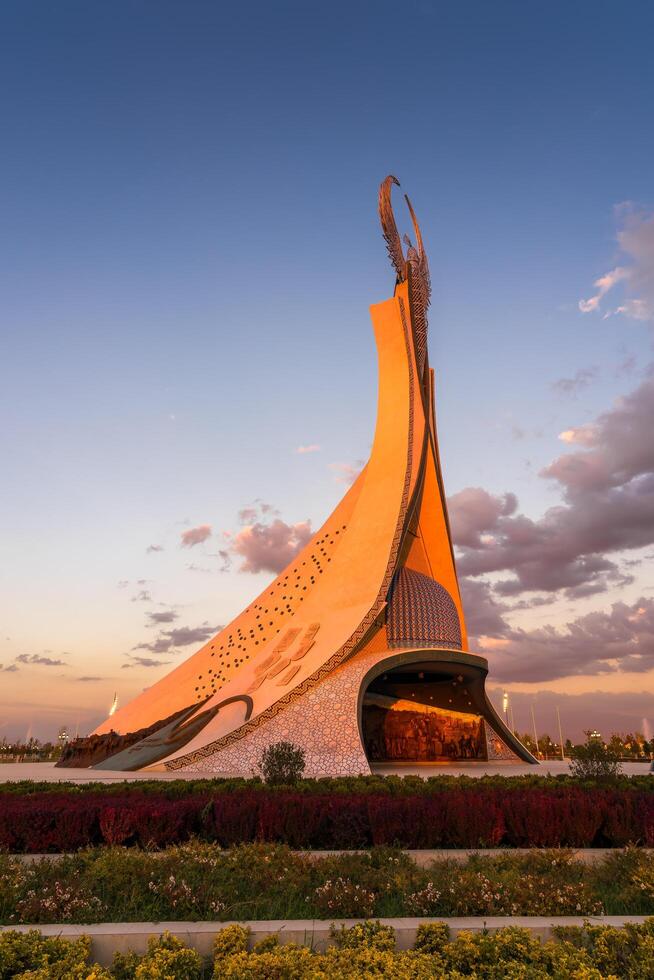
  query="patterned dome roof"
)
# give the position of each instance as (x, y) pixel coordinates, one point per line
(421, 613)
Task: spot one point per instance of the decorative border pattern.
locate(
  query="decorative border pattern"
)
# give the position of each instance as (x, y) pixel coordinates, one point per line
(351, 644)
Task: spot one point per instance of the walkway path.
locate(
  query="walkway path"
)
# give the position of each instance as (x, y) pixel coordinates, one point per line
(46, 771)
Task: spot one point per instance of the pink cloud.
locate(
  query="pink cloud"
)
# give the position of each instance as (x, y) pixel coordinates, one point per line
(474, 512)
(269, 547)
(604, 642)
(195, 535)
(620, 446)
(572, 386)
(145, 662)
(603, 284)
(312, 448)
(608, 507)
(636, 241)
(180, 636)
(346, 472)
(621, 639)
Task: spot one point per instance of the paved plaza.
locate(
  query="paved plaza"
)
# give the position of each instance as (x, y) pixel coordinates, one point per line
(47, 772)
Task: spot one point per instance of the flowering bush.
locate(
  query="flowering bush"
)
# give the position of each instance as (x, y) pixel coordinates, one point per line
(342, 898)
(425, 901)
(629, 876)
(263, 881)
(59, 902)
(184, 900)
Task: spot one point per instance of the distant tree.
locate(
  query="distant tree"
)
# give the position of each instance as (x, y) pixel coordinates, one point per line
(594, 759)
(547, 747)
(630, 745)
(528, 742)
(282, 763)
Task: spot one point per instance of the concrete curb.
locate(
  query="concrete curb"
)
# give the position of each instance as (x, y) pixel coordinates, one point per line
(108, 938)
(587, 855)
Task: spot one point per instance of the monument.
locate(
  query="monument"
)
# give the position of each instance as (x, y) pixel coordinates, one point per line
(357, 652)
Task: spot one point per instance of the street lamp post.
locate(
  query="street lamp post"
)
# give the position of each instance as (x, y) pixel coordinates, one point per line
(533, 722)
(558, 718)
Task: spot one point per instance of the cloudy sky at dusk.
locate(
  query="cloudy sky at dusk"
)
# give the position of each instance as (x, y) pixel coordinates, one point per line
(187, 371)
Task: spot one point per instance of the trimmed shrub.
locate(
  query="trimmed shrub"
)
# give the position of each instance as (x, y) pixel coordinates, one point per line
(282, 764)
(594, 760)
(29, 954)
(167, 958)
(432, 938)
(372, 935)
(230, 940)
(588, 953)
(158, 823)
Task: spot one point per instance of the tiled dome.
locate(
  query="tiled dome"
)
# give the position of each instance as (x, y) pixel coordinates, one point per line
(421, 613)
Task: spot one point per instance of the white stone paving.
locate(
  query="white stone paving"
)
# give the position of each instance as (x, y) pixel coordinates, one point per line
(46, 771)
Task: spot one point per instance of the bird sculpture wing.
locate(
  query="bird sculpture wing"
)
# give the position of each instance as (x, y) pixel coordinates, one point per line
(423, 264)
(389, 228)
(414, 267)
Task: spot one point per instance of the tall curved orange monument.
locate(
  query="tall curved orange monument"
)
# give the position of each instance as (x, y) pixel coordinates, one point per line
(358, 650)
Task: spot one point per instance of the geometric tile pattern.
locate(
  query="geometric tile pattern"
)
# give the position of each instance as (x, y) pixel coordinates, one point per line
(497, 749)
(421, 613)
(324, 722)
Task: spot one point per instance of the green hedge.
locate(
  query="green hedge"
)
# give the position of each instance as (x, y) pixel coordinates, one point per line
(369, 949)
(391, 785)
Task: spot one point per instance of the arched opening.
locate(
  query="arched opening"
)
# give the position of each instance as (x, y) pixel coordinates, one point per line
(424, 711)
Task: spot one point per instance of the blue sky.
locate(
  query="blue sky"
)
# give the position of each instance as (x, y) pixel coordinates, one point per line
(189, 248)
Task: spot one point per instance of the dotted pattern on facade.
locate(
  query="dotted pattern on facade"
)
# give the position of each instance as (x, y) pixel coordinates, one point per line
(231, 648)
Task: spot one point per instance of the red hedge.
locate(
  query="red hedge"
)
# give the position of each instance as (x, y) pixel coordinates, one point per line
(483, 816)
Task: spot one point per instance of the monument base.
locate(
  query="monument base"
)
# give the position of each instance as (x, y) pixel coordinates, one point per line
(425, 706)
